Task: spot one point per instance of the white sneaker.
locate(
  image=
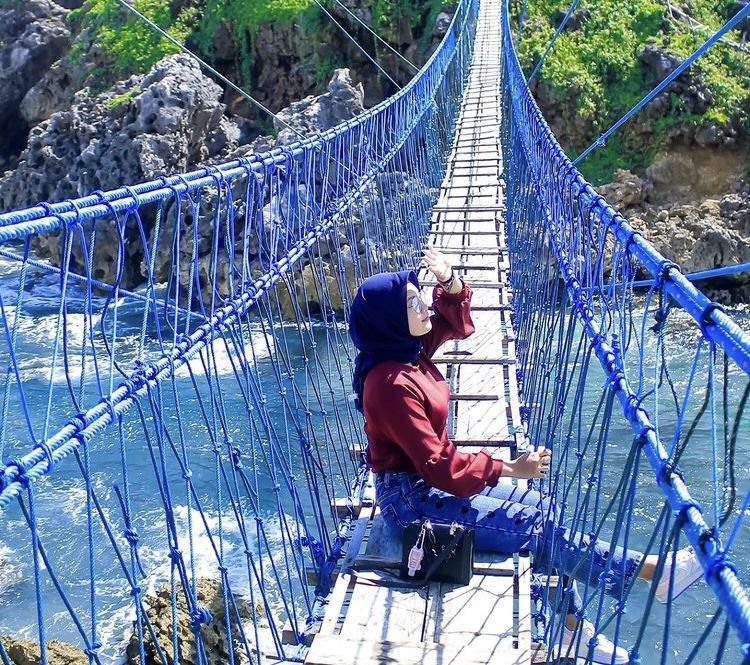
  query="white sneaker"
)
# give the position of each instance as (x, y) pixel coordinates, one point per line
(687, 570)
(604, 653)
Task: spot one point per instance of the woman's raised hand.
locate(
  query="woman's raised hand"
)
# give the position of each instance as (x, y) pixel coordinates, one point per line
(530, 465)
(437, 264)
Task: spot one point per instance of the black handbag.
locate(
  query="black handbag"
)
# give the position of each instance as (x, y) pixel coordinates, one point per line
(437, 553)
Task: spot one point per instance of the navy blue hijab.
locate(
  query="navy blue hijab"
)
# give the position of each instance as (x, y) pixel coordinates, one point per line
(379, 326)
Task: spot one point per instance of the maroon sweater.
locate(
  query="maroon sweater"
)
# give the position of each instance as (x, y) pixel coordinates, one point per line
(406, 411)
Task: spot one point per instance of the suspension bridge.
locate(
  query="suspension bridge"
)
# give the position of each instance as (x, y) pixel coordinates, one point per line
(181, 477)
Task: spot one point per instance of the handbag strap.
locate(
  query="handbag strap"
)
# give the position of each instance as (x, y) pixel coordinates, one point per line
(449, 549)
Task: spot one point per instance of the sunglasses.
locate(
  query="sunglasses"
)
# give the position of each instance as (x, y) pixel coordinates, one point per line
(417, 304)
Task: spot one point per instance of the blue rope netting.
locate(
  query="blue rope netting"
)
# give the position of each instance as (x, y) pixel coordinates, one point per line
(574, 262)
(194, 362)
(176, 421)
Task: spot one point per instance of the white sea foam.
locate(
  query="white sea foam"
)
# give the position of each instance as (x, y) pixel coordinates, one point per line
(222, 356)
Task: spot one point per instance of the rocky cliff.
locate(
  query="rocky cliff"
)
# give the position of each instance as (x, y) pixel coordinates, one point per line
(70, 130)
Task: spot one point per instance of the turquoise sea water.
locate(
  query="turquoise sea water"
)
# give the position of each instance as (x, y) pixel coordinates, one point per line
(61, 499)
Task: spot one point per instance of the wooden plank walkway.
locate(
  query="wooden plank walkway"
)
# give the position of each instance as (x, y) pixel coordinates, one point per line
(370, 621)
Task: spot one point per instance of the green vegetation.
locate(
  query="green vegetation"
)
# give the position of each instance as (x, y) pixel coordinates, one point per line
(247, 15)
(130, 44)
(388, 17)
(124, 98)
(595, 72)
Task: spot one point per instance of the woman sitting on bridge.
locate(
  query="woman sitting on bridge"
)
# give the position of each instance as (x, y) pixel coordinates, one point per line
(421, 475)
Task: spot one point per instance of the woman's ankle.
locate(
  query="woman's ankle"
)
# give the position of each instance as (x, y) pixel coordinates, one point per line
(648, 569)
(571, 621)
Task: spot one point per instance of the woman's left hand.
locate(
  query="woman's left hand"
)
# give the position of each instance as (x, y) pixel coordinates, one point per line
(437, 264)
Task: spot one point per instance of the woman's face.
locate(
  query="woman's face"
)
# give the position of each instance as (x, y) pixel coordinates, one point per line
(417, 313)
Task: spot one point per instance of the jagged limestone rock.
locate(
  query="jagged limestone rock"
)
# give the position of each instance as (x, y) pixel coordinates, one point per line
(214, 638)
(26, 652)
(33, 35)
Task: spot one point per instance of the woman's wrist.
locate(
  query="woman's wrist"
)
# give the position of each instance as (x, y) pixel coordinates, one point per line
(453, 284)
(447, 283)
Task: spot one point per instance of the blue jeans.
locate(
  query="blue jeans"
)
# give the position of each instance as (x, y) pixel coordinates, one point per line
(506, 519)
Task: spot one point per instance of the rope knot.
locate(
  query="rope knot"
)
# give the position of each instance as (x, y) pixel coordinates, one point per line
(47, 452)
(135, 591)
(662, 272)
(92, 651)
(306, 445)
(21, 477)
(705, 318)
(175, 554)
(200, 615)
(236, 457)
(135, 203)
(605, 577)
(131, 535)
(685, 506)
(718, 562)
(593, 642)
(78, 421)
(632, 406)
(615, 376)
(76, 221)
(139, 369)
(668, 468)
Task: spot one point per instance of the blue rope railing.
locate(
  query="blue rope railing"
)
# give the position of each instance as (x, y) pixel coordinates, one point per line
(557, 220)
(211, 437)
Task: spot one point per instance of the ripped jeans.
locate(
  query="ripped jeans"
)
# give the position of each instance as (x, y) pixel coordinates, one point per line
(506, 519)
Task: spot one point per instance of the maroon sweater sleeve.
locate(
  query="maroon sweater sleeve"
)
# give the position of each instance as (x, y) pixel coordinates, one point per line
(436, 459)
(451, 319)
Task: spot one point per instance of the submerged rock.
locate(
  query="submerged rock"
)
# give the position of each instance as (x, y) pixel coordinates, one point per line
(26, 652)
(216, 644)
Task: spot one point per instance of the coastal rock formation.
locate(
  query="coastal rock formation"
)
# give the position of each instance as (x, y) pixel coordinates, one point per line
(313, 115)
(216, 643)
(703, 233)
(167, 121)
(26, 652)
(170, 121)
(33, 35)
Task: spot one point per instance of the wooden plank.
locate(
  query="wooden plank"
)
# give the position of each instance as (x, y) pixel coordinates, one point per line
(524, 604)
(343, 582)
(338, 650)
(399, 614)
(480, 420)
(489, 442)
(479, 616)
(462, 358)
(475, 284)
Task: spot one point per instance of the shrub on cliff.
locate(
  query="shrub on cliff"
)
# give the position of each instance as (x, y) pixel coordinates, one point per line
(612, 53)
